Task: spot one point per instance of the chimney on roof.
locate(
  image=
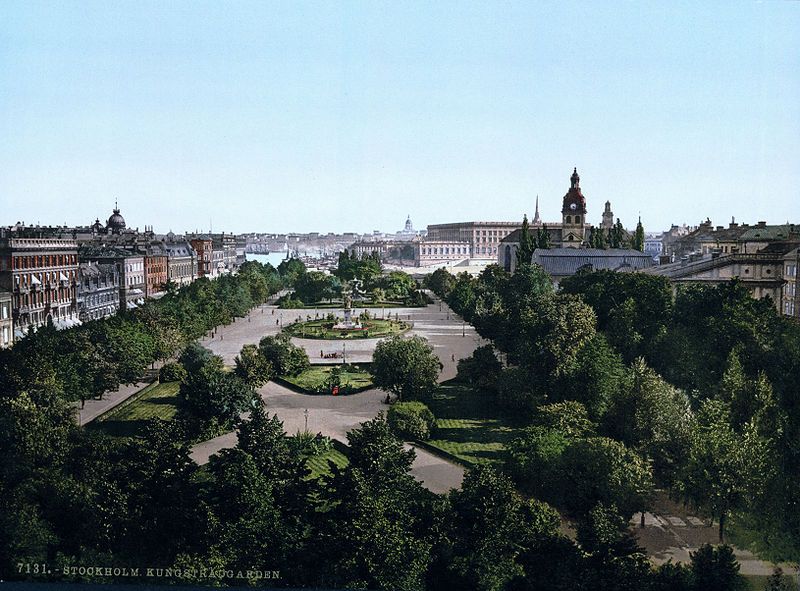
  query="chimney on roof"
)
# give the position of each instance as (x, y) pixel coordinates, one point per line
(762, 224)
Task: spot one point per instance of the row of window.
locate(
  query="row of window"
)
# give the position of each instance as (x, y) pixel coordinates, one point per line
(791, 271)
(444, 250)
(44, 260)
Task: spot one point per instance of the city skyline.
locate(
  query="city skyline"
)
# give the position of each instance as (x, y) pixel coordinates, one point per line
(336, 118)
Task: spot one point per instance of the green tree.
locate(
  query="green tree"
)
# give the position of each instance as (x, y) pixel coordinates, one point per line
(405, 367)
(716, 569)
(723, 467)
(527, 243)
(638, 237)
(286, 358)
(440, 282)
(601, 470)
(290, 270)
(618, 235)
(543, 237)
(252, 367)
(491, 525)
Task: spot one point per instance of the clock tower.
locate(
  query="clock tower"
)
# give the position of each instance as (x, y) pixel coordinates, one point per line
(573, 214)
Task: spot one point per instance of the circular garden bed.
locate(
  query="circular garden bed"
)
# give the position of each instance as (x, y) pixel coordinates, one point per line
(324, 329)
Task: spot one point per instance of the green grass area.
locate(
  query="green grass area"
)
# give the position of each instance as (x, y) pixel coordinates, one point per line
(319, 463)
(323, 329)
(468, 427)
(128, 420)
(316, 377)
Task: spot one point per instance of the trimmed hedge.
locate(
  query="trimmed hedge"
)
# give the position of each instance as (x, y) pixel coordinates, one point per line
(172, 372)
(411, 420)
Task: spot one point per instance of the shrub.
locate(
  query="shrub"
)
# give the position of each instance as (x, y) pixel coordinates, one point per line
(172, 372)
(288, 302)
(306, 444)
(411, 420)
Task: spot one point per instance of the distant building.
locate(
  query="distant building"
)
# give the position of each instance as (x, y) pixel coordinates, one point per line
(130, 265)
(98, 290)
(567, 261)
(181, 261)
(790, 304)
(481, 239)
(6, 320)
(156, 269)
(436, 252)
(202, 246)
(762, 273)
(41, 273)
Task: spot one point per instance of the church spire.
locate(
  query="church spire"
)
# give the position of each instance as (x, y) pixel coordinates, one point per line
(575, 180)
(536, 219)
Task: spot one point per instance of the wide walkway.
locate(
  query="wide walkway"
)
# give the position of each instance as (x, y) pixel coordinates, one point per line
(334, 416)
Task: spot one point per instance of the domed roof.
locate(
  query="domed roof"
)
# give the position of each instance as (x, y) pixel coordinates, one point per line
(97, 226)
(116, 222)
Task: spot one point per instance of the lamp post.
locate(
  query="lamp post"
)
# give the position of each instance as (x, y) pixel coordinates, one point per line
(464, 328)
(344, 352)
(305, 412)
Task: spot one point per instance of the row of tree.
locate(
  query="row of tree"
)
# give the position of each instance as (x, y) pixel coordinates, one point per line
(98, 356)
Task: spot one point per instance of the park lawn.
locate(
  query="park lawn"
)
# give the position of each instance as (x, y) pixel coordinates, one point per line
(317, 376)
(319, 464)
(156, 401)
(467, 427)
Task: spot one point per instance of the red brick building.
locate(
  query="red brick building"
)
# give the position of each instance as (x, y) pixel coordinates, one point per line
(203, 247)
(41, 274)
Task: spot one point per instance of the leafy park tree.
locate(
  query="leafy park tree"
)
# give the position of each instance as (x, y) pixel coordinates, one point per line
(286, 358)
(373, 535)
(253, 367)
(491, 524)
(172, 372)
(594, 378)
(315, 286)
(569, 418)
(638, 237)
(543, 237)
(290, 269)
(517, 393)
(211, 399)
(407, 368)
(440, 282)
(527, 243)
(194, 357)
(724, 467)
(618, 235)
(652, 417)
(601, 470)
(532, 459)
(716, 569)
(481, 369)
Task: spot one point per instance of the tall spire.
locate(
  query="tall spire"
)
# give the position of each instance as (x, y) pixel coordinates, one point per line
(575, 180)
(536, 219)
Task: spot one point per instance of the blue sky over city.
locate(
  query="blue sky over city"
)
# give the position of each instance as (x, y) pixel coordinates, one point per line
(347, 116)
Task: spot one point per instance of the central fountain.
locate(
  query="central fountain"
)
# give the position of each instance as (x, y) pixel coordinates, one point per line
(347, 297)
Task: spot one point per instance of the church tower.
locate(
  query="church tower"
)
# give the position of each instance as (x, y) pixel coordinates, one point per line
(573, 214)
(537, 221)
(608, 217)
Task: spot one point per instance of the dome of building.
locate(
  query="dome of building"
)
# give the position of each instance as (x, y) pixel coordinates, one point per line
(97, 227)
(116, 223)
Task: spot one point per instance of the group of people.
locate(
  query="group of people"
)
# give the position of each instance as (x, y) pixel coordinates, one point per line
(333, 355)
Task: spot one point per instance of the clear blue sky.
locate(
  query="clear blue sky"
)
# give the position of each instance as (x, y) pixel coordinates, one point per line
(331, 116)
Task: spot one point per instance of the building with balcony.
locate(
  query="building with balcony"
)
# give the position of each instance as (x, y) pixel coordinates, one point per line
(98, 290)
(6, 320)
(41, 273)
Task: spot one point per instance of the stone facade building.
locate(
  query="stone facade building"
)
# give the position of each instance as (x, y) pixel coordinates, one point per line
(790, 302)
(436, 252)
(181, 262)
(131, 271)
(98, 290)
(41, 274)
(6, 320)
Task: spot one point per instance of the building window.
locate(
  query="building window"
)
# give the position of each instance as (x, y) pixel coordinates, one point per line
(569, 219)
(577, 219)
